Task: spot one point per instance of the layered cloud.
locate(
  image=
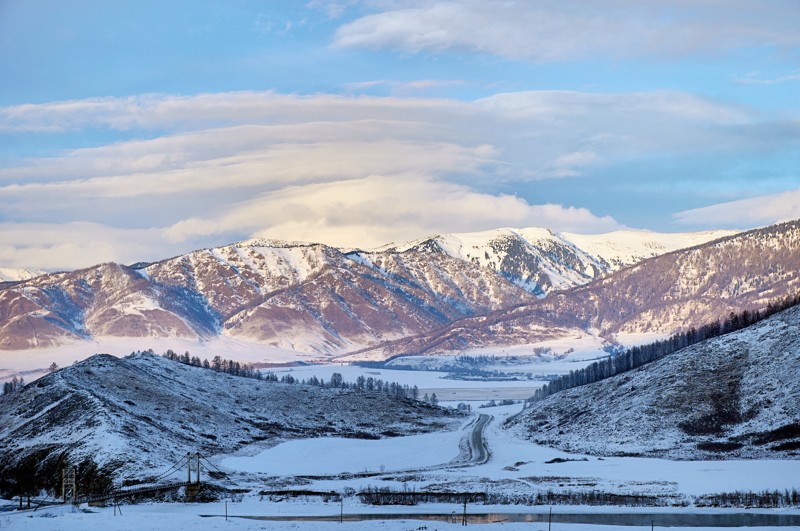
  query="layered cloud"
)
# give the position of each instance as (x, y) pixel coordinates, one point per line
(743, 213)
(376, 210)
(187, 172)
(549, 31)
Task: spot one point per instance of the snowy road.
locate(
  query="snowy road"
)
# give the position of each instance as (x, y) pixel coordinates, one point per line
(479, 452)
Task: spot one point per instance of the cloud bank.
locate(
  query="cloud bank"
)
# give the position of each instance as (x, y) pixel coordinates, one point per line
(204, 170)
(566, 30)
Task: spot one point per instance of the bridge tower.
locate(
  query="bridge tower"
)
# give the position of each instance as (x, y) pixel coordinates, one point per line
(69, 484)
(192, 463)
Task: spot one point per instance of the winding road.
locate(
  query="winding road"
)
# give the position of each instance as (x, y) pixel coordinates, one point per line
(478, 449)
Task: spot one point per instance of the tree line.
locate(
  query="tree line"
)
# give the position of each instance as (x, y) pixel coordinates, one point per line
(336, 381)
(16, 384)
(640, 355)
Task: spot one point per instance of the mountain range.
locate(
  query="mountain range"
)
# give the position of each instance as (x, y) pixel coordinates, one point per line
(446, 293)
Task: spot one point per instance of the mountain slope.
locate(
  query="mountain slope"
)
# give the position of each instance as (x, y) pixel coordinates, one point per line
(105, 300)
(315, 298)
(541, 261)
(662, 295)
(143, 412)
(737, 395)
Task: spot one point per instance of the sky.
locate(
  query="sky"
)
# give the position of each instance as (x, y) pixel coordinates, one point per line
(136, 131)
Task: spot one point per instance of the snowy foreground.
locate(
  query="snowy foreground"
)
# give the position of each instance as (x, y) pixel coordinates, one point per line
(419, 463)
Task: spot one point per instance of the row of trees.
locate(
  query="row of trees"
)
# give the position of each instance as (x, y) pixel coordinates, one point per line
(218, 364)
(336, 381)
(641, 355)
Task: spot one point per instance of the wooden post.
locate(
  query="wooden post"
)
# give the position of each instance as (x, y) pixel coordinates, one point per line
(197, 456)
(550, 519)
(341, 508)
(464, 518)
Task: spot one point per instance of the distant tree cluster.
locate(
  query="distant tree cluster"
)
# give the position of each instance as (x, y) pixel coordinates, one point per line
(766, 499)
(218, 364)
(247, 370)
(637, 356)
(16, 384)
(368, 384)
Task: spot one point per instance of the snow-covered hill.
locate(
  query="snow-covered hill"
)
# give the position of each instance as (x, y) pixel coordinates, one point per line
(141, 413)
(737, 395)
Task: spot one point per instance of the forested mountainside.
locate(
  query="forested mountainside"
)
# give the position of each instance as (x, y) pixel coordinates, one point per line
(737, 395)
(311, 297)
(139, 414)
(662, 295)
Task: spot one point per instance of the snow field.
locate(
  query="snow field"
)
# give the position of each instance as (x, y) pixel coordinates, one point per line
(335, 455)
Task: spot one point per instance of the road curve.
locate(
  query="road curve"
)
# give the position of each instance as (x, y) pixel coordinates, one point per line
(478, 449)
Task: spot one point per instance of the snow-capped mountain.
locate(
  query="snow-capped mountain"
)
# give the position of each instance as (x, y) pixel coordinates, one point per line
(737, 395)
(14, 275)
(660, 296)
(541, 261)
(141, 413)
(312, 297)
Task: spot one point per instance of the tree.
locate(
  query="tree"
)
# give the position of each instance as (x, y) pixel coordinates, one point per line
(336, 380)
(434, 400)
(53, 367)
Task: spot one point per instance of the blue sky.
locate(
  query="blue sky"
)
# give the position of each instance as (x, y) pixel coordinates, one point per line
(138, 130)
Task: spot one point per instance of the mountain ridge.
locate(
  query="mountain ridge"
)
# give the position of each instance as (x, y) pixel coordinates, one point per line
(734, 396)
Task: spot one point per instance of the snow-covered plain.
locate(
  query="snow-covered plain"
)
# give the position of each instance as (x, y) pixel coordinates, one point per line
(515, 465)
(335, 455)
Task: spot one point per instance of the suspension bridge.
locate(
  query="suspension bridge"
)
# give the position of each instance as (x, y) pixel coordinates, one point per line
(72, 491)
(164, 482)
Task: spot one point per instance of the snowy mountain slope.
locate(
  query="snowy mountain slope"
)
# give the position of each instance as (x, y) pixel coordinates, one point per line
(104, 300)
(143, 412)
(541, 261)
(624, 248)
(737, 395)
(14, 275)
(661, 295)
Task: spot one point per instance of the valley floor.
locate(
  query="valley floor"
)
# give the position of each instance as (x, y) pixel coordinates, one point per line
(516, 467)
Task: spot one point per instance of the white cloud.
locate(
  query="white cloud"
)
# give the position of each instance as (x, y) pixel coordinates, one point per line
(753, 78)
(744, 213)
(376, 210)
(68, 246)
(349, 170)
(548, 31)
